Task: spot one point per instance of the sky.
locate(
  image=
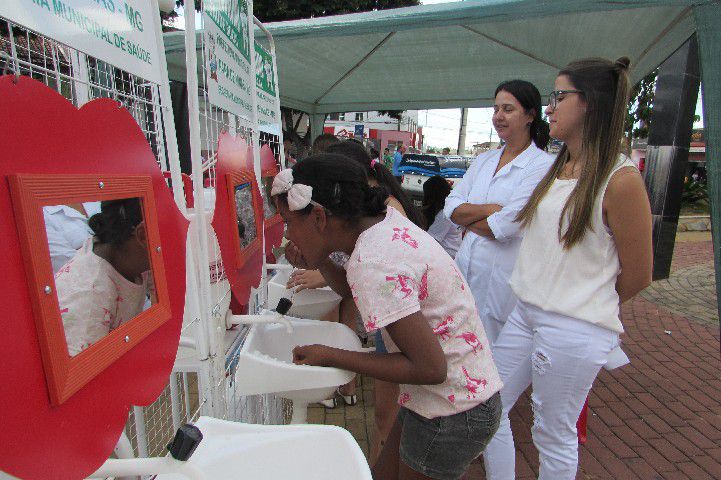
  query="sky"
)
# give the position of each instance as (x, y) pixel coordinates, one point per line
(441, 127)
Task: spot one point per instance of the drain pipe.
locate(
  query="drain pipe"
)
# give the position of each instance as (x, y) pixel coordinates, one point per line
(272, 317)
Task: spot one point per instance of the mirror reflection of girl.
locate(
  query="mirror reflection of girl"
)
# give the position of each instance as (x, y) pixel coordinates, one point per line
(108, 281)
(404, 283)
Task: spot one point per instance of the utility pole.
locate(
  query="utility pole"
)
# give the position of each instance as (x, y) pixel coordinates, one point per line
(462, 132)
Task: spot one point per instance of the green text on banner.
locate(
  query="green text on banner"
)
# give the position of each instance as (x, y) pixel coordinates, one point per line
(266, 87)
(226, 25)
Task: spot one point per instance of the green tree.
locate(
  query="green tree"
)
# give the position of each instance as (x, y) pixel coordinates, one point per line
(640, 105)
(394, 114)
(279, 10)
(638, 117)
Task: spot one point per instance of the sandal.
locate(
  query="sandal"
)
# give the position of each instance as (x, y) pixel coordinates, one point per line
(349, 400)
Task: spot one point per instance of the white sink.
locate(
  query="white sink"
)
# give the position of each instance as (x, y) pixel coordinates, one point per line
(313, 303)
(231, 450)
(266, 362)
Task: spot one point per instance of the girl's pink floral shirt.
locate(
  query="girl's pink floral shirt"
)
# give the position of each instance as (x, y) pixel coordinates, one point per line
(396, 270)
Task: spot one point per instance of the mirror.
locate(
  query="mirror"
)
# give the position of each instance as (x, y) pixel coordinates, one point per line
(245, 214)
(103, 276)
(269, 207)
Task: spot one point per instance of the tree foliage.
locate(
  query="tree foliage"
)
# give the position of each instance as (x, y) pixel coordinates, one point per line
(638, 117)
(279, 10)
(394, 114)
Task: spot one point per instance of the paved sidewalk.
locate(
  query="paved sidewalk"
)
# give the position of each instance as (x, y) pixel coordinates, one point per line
(658, 418)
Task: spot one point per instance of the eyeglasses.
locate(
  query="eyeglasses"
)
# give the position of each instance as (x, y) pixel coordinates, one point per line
(553, 97)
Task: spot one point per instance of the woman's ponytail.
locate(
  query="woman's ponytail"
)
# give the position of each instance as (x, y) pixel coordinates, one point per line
(540, 132)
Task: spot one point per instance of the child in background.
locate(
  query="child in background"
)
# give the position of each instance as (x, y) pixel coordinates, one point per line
(447, 233)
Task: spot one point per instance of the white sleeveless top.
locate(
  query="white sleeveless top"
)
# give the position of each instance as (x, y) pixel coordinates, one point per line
(580, 282)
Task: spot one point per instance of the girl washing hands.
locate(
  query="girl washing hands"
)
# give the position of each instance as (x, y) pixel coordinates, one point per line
(404, 283)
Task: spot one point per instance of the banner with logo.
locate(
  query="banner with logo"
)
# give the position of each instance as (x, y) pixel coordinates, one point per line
(119, 32)
(227, 25)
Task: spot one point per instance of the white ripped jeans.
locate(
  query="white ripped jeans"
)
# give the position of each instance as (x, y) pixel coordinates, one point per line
(560, 356)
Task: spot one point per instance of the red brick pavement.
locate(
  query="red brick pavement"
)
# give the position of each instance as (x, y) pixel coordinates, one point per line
(691, 253)
(658, 418)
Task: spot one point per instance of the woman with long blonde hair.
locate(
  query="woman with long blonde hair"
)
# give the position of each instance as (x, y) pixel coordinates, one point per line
(586, 250)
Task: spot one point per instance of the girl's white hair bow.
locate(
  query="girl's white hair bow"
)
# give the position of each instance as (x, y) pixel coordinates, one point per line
(299, 195)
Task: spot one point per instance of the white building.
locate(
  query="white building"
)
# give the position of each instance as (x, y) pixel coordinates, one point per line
(373, 120)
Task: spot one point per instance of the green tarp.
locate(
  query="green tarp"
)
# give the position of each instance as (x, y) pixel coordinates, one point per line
(455, 54)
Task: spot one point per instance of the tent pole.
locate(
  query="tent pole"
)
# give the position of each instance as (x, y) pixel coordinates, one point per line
(317, 120)
(669, 140)
(708, 18)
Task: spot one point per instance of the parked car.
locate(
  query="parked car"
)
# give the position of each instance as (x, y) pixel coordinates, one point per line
(453, 161)
(416, 168)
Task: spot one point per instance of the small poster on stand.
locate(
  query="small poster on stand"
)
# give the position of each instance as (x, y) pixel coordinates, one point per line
(227, 36)
(267, 87)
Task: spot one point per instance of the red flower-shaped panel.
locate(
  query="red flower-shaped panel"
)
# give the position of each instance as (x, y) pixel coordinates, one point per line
(44, 134)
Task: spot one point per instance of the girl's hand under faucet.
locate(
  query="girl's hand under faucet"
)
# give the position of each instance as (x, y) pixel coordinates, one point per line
(303, 279)
(420, 360)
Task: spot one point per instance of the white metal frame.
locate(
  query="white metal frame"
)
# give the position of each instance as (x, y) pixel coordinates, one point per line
(207, 121)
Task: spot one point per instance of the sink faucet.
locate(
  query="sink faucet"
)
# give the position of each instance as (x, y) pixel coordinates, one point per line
(271, 317)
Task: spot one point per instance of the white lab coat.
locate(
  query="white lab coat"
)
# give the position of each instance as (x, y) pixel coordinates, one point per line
(487, 263)
(67, 230)
(447, 233)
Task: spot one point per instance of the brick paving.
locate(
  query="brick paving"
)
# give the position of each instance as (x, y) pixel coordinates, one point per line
(658, 418)
(690, 291)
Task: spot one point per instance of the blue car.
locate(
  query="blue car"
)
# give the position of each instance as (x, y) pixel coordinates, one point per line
(416, 168)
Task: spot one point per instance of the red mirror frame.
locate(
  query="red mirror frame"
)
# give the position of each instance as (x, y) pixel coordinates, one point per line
(66, 374)
(273, 227)
(233, 179)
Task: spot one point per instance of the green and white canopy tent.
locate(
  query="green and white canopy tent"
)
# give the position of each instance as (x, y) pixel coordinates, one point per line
(455, 54)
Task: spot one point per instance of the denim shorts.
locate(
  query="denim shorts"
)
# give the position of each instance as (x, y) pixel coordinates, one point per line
(443, 447)
(380, 344)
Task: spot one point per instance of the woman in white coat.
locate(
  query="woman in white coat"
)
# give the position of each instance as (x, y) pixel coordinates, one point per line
(490, 195)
